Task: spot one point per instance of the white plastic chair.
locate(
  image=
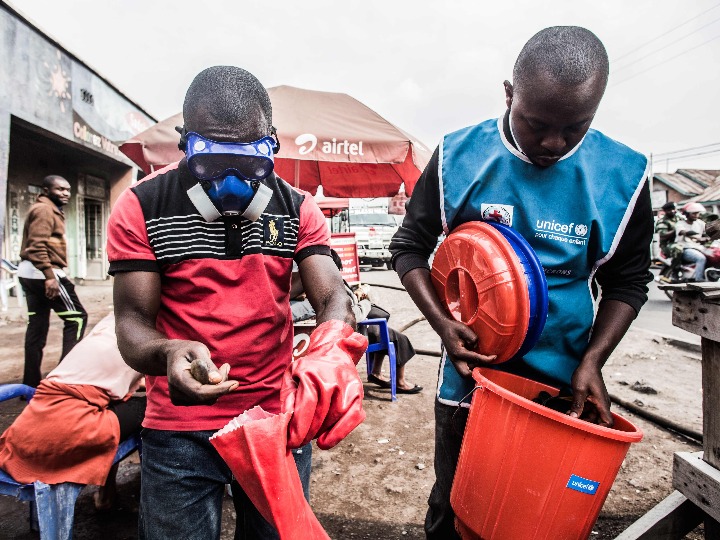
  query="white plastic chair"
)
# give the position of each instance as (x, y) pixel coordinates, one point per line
(9, 281)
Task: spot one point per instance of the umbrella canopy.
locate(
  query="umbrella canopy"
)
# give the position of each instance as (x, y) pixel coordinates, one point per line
(326, 139)
(155, 147)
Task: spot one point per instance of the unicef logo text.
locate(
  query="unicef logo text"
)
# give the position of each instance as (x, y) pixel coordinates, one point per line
(583, 486)
(553, 226)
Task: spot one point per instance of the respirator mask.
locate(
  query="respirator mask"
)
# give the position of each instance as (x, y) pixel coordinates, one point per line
(230, 175)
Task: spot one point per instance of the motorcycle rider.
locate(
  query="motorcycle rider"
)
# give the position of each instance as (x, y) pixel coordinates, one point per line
(690, 234)
(665, 227)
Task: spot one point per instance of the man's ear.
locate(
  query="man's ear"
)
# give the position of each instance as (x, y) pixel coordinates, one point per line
(508, 93)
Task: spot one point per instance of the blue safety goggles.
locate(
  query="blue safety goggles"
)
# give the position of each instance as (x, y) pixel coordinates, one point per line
(209, 160)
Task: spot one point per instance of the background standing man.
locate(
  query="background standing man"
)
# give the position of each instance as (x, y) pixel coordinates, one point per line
(578, 197)
(202, 254)
(44, 256)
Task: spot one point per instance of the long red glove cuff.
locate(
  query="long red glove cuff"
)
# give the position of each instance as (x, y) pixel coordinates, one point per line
(323, 389)
(254, 447)
(334, 333)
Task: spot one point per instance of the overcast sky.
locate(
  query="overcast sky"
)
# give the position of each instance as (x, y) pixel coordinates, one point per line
(429, 67)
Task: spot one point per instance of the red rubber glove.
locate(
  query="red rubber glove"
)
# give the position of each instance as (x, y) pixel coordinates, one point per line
(323, 389)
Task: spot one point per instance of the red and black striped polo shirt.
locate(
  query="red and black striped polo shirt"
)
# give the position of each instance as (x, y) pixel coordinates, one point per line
(225, 283)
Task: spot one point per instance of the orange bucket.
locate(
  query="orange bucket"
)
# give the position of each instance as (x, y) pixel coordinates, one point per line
(529, 472)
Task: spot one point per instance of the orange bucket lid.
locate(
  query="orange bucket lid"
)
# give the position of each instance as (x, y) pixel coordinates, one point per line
(481, 282)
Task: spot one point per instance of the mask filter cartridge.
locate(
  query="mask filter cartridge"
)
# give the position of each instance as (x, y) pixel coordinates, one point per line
(230, 194)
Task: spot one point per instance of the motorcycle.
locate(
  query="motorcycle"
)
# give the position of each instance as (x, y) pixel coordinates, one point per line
(673, 270)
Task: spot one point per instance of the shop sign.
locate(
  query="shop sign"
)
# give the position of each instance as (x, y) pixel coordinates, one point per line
(346, 246)
(95, 187)
(84, 133)
(15, 236)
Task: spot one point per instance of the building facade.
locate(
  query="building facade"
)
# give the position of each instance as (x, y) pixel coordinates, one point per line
(58, 116)
(699, 185)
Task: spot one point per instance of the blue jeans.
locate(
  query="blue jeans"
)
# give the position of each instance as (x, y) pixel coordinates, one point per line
(182, 486)
(696, 257)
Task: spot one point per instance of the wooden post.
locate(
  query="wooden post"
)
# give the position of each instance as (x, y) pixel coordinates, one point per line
(670, 519)
(711, 401)
(711, 418)
(696, 477)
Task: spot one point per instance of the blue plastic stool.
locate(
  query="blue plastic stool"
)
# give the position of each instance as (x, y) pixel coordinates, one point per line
(383, 344)
(10, 391)
(56, 503)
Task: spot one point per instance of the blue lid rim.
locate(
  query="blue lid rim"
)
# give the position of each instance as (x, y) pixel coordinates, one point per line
(538, 288)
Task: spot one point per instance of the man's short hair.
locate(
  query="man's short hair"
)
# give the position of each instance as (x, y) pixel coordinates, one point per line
(569, 54)
(49, 181)
(229, 95)
(668, 206)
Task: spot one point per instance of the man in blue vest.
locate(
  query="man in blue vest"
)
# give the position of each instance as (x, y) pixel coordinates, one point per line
(578, 197)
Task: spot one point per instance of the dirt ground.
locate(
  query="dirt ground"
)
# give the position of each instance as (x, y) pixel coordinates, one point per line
(376, 482)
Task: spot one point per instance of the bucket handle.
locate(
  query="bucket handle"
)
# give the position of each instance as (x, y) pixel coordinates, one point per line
(459, 406)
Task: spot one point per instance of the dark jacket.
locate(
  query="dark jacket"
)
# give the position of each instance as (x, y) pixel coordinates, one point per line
(43, 242)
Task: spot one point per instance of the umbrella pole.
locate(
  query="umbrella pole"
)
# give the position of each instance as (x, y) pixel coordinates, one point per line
(297, 173)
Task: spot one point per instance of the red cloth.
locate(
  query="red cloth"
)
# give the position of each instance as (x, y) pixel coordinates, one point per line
(65, 434)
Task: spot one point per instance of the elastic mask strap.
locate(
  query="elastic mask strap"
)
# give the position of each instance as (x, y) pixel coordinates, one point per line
(258, 204)
(182, 144)
(274, 135)
(203, 204)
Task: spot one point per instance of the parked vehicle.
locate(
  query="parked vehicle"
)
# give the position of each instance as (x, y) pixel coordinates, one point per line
(674, 271)
(373, 233)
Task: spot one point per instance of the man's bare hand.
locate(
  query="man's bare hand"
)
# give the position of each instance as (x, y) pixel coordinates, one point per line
(193, 378)
(362, 292)
(460, 342)
(590, 397)
(52, 288)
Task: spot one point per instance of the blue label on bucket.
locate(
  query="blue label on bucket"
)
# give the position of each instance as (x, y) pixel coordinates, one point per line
(583, 485)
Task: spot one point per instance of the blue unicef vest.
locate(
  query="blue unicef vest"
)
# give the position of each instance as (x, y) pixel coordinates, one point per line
(572, 214)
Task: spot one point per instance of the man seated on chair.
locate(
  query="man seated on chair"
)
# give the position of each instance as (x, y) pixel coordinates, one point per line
(70, 430)
(363, 309)
(404, 351)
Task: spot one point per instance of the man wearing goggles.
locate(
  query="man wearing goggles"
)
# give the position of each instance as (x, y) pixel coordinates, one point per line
(202, 254)
(230, 173)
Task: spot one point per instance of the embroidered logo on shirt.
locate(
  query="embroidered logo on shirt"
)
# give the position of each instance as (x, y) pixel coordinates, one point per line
(502, 213)
(274, 231)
